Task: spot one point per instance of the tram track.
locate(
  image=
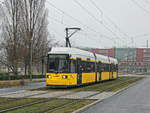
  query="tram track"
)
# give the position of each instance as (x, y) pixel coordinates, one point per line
(16, 99)
(19, 92)
(80, 100)
(64, 104)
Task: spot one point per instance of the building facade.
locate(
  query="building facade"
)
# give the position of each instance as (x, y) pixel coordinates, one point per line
(130, 59)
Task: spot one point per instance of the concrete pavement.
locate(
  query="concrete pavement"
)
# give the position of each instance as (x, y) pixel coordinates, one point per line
(135, 75)
(135, 99)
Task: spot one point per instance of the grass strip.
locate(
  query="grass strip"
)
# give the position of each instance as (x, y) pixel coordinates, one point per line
(94, 87)
(17, 103)
(42, 107)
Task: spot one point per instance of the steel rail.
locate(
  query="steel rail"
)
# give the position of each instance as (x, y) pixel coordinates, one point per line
(61, 106)
(80, 100)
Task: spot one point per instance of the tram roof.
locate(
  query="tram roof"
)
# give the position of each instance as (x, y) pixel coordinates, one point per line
(74, 52)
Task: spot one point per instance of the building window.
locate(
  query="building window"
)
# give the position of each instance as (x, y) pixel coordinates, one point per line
(146, 55)
(147, 50)
(147, 59)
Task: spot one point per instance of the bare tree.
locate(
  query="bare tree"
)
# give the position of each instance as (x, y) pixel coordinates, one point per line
(24, 33)
(10, 33)
(35, 29)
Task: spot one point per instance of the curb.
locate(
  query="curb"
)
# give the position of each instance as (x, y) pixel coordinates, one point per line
(98, 101)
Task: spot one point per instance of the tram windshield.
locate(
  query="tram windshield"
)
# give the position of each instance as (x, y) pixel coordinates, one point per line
(58, 64)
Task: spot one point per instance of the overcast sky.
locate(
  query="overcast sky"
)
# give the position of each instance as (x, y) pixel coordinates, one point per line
(104, 23)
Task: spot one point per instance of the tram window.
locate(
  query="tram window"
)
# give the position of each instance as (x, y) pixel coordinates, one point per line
(86, 67)
(63, 66)
(106, 67)
(101, 67)
(83, 66)
(112, 68)
(80, 67)
(73, 66)
(52, 64)
(58, 63)
(115, 68)
(90, 67)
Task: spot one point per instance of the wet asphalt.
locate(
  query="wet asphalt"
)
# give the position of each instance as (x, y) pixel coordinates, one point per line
(135, 99)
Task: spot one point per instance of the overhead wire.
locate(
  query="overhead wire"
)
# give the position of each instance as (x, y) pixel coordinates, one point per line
(84, 25)
(91, 15)
(137, 4)
(73, 18)
(147, 2)
(64, 24)
(83, 34)
(113, 23)
(100, 10)
(77, 21)
(56, 20)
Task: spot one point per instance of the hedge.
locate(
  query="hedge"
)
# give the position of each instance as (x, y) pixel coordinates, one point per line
(4, 76)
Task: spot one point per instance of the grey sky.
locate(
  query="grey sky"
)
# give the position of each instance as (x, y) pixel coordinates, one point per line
(131, 17)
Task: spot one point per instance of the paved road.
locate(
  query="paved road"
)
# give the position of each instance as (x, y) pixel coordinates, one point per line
(134, 75)
(135, 99)
(28, 86)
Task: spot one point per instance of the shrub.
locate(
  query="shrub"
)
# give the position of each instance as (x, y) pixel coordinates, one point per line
(19, 77)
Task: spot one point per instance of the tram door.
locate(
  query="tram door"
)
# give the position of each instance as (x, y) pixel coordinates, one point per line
(79, 71)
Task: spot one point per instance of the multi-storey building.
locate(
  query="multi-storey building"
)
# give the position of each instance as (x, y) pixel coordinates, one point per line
(130, 59)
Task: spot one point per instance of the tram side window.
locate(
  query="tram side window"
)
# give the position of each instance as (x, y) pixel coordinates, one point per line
(90, 67)
(86, 67)
(93, 67)
(106, 67)
(111, 67)
(80, 67)
(114, 68)
(83, 66)
(72, 66)
(101, 67)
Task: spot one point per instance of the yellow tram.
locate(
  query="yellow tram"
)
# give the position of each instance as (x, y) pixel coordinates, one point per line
(69, 67)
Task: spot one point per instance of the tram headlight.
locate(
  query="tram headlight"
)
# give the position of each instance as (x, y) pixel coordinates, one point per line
(49, 76)
(64, 76)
